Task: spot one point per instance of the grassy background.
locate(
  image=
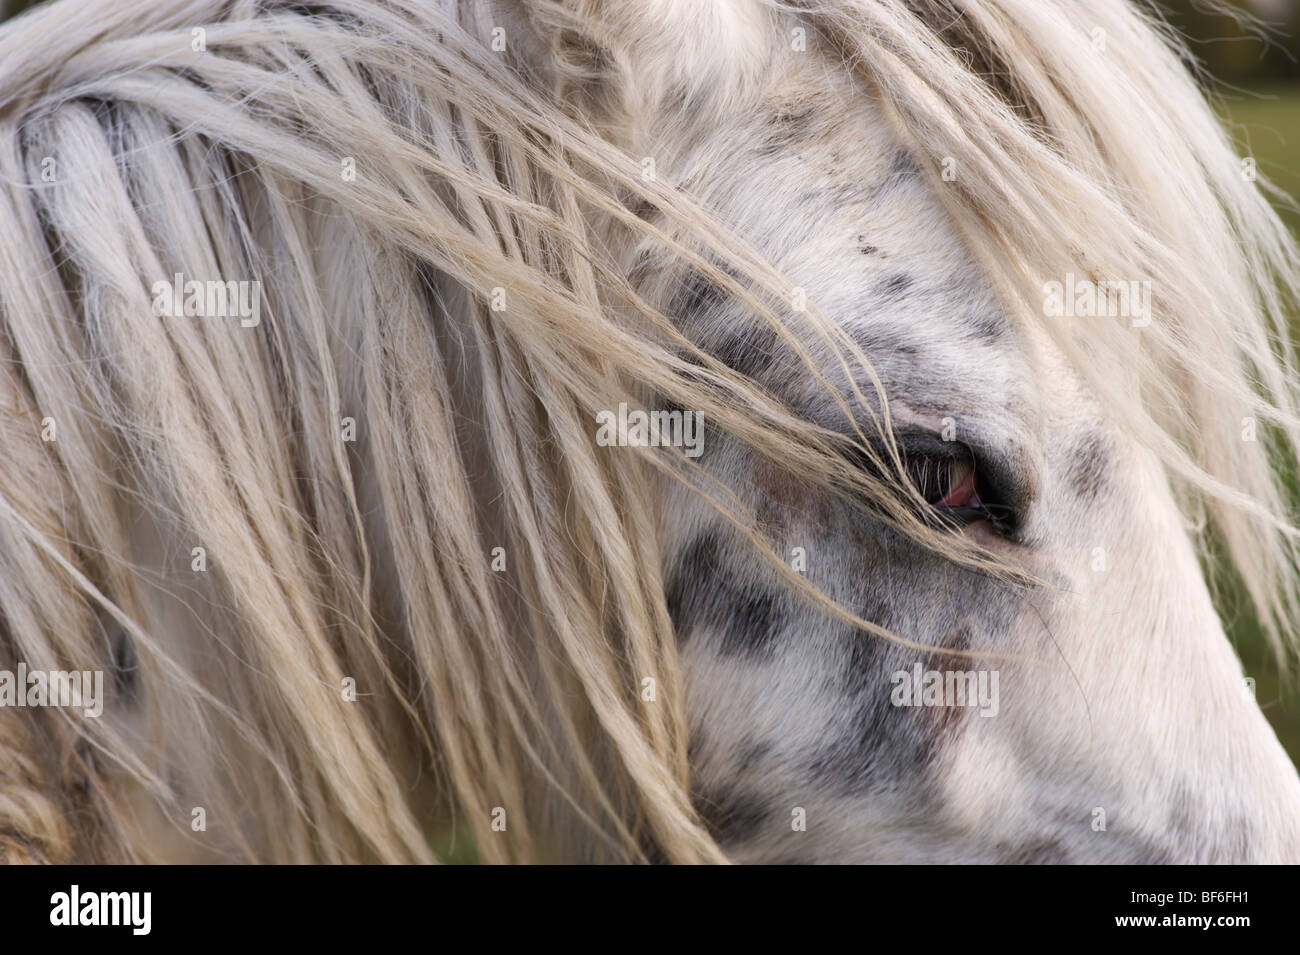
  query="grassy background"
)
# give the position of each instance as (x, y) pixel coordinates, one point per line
(1266, 125)
(1266, 122)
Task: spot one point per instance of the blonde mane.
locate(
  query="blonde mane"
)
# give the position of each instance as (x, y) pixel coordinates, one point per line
(419, 210)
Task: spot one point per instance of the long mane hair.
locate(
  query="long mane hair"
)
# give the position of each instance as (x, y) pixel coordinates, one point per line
(183, 506)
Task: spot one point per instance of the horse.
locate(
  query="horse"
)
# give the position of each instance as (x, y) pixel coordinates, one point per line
(804, 431)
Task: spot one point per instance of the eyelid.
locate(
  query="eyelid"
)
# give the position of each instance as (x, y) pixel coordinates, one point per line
(1002, 491)
(929, 443)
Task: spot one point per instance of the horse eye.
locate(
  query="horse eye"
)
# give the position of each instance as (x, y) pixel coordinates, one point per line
(959, 484)
(946, 483)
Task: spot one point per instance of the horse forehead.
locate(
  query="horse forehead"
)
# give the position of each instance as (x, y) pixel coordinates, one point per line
(846, 214)
(938, 342)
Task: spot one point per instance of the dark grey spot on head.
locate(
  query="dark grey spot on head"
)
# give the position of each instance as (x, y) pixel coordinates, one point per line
(751, 352)
(703, 595)
(894, 341)
(755, 621)
(865, 247)
(986, 326)
(752, 755)
(697, 296)
(895, 286)
(885, 747)
(1038, 852)
(730, 817)
(683, 589)
(1089, 465)
(902, 169)
(784, 129)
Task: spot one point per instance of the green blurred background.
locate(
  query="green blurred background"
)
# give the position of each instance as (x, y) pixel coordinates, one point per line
(1248, 52)
(1248, 55)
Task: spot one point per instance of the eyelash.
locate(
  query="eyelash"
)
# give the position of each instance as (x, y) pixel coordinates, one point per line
(958, 491)
(946, 483)
(956, 488)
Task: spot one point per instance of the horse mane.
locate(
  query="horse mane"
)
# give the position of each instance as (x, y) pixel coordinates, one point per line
(419, 211)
